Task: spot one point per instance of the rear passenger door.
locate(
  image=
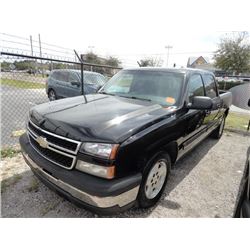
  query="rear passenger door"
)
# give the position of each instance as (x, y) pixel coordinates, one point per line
(62, 83)
(212, 92)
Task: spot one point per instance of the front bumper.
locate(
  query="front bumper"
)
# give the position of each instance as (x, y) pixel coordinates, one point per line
(98, 195)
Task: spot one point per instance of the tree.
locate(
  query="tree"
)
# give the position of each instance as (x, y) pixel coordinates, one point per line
(91, 58)
(113, 61)
(25, 65)
(95, 59)
(233, 54)
(5, 66)
(151, 62)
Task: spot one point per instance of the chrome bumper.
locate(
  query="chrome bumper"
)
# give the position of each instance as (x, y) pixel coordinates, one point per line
(101, 202)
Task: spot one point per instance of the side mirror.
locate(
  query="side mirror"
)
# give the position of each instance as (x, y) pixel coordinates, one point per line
(201, 103)
(77, 84)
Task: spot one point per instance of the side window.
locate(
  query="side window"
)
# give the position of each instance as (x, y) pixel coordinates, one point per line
(62, 76)
(54, 75)
(210, 86)
(195, 87)
(72, 77)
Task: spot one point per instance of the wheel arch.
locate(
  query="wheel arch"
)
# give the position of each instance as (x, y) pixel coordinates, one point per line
(171, 148)
(50, 88)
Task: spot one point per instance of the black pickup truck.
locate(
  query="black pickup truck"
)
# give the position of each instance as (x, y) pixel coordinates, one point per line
(116, 149)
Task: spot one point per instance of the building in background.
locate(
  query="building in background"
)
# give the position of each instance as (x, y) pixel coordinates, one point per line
(195, 62)
(204, 63)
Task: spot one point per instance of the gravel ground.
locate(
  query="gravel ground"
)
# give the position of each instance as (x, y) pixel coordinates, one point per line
(205, 183)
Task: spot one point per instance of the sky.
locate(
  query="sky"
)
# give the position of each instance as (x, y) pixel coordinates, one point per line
(130, 30)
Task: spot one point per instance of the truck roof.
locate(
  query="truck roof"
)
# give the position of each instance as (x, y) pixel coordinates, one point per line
(176, 70)
(76, 71)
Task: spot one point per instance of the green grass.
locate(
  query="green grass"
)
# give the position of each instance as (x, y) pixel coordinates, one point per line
(237, 121)
(9, 182)
(22, 84)
(9, 152)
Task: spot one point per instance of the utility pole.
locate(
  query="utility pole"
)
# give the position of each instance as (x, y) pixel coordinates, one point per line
(40, 46)
(32, 53)
(31, 45)
(168, 47)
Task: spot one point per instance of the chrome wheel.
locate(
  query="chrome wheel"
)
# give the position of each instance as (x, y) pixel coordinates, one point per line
(156, 179)
(52, 95)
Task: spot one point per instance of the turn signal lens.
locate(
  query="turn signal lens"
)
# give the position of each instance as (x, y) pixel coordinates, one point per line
(97, 170)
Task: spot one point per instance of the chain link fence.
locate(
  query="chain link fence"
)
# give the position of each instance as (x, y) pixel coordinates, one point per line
(27, 81)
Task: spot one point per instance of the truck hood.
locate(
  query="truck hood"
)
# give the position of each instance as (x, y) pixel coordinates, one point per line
(103, 118)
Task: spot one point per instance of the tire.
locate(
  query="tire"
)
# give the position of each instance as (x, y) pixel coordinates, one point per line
(153, 180)
(52, 95)
(218, 132)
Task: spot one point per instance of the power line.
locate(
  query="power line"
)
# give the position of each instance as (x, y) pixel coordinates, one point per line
(34, 46)
(19, 37)
(49, 44)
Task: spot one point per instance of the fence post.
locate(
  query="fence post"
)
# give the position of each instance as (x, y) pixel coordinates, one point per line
(82, 80)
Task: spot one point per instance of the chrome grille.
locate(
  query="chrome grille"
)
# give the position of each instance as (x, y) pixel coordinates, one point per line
(59, 150)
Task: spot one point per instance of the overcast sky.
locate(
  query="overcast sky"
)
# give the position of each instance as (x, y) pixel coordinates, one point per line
(128, 29)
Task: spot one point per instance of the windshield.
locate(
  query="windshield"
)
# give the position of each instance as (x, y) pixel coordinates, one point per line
(160, 87)
(93, 78)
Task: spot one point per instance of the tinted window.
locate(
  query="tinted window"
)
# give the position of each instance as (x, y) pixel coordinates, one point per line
(90, 78)
(93, 78)
(210, 86)
(73, 77)
(61, 76)
(195, 87)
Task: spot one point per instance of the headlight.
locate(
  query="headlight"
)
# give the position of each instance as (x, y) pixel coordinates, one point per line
(104, 150)
(101, 171)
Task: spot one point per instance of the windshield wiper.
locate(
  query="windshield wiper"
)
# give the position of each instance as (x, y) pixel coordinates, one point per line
(137, 98)
(105, 93)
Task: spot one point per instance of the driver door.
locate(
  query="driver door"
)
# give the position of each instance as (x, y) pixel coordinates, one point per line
(74, 85)
(195, 121)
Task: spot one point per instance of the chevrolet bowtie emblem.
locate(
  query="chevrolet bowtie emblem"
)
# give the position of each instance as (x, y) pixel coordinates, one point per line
(42, 141)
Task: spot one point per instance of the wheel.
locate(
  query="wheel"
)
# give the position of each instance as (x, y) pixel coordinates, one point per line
(217, 133)
(154, 180)
(52, 95)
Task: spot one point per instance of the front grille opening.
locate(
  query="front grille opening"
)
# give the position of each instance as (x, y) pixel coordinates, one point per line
(55, 140)
(57, 158)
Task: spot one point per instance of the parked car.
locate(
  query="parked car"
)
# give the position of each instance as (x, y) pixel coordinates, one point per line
(63, 83)
(243, 207)
(117, 149)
